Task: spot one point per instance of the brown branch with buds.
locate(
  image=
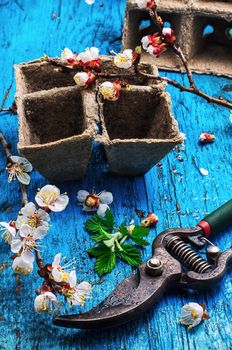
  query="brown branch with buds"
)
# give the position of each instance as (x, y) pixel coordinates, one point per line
(178, 51)
(39, 260)
(193, 90)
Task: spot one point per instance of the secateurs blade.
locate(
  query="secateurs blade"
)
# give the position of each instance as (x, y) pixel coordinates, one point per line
(175, 262)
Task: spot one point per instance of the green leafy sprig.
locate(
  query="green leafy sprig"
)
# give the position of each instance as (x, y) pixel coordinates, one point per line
(110, 242)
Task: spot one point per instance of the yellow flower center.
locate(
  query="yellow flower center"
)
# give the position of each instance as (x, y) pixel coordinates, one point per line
(43, 307)
(107, 92)
(22, 270)
(30, 242)
(15, 169)
(49, 197)
(194, 314)
(122, 58)
(92, 201)
(6, 236)
(64, 277)
(35, 221)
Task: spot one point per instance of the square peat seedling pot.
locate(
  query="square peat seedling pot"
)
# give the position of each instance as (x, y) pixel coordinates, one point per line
(40, 75)
(56, 130)
(138, 130)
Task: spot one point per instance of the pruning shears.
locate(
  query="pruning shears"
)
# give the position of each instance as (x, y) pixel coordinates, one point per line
(175, 263)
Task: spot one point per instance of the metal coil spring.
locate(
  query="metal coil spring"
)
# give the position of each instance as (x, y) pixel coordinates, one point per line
(188, 256)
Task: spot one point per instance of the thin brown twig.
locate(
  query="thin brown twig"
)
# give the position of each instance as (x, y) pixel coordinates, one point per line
(155, 17)
(193, 90)
(39, 260)
(177, 50)
(6, 97)
(24, 194)
(6, 147)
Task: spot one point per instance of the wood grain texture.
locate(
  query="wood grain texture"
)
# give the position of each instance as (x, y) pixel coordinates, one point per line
(177, 192)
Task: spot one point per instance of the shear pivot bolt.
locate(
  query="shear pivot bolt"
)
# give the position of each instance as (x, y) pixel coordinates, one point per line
(154, 267)
(213, 252)
(154, 262)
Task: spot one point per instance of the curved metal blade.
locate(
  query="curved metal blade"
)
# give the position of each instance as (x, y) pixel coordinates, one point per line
(131, 297)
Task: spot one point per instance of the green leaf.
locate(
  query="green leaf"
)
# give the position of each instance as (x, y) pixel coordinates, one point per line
(105, 263)
(108, 220)
(98, 251)
(131, 255)
(137, 234)
(95, 223)
(123, 230)
(97, 238)
(140, 241)
(140, 231)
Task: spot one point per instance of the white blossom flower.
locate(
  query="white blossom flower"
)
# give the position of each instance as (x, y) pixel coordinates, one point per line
(93, 202)
(90, 2)
(81, 78)
(9, 231)
(66, 56)
(21, 266)
(142, 4)
(90, 54)
(31, 216)
(26, 243)
(19, 169)
(49, 197)
(84, 79)
(78, 294)
(44, 302)
(62, 273)
(110, 91)
(192, 314)
(166, 31)
(156, 50)
(124, 59)
(146, 42)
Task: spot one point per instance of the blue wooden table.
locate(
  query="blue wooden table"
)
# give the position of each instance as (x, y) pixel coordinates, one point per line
(176, 192)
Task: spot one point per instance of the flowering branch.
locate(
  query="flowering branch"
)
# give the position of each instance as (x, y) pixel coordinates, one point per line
(162, 40)
(88, 67)
(30, 228)
(193, 90)
(157, 20)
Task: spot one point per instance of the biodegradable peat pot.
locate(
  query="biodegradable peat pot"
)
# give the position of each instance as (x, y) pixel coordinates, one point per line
(58, 121)
(39, 75)
(138, 130)
(206, 52)
(56, 131)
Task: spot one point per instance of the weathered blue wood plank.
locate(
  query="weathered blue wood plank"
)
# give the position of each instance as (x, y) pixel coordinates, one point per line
(30, 28)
